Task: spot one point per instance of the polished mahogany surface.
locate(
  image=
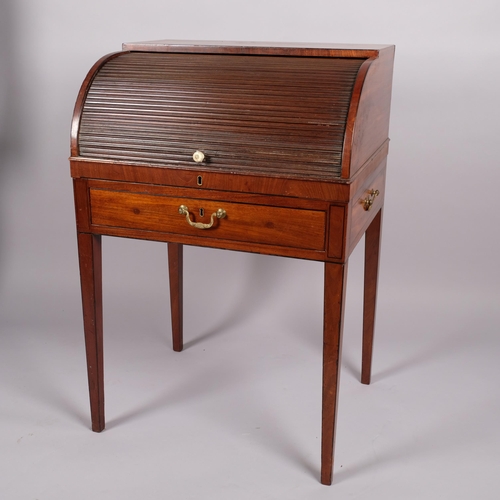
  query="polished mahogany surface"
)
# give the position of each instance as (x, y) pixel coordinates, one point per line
(278, 116)
(278, 149)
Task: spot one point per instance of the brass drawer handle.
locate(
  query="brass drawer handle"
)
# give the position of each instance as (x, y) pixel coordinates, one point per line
(368, 202)
(220, 214)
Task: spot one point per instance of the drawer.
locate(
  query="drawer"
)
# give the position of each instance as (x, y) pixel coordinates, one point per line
(262, 224)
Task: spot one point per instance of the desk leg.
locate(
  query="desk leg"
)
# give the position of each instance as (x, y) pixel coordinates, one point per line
(89, 251)
(175, 277)
(335, 287)
(372, 252)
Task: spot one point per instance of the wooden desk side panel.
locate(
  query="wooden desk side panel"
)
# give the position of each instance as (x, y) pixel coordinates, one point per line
(371, 127)
(358, 218)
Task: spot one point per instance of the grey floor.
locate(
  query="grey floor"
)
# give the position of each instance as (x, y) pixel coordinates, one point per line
(237, 414)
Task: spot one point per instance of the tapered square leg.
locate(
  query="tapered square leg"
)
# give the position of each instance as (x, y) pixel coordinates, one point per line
(175, 251)
(89, 251)
(372, 257)
(335, 286)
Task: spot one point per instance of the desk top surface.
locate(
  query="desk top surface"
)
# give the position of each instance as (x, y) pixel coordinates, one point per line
(264, 48)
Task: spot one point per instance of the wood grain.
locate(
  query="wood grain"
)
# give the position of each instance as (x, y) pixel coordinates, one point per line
(257, 48)
(175, 265)
(89, 250)
(249, 223)
(82, 206)
(372, 122)
(372, 258)
(339, 190)
(248, 114)
(359, 218)
(232, 181)
(295, 138)
(336, 232)
(208, 194)
(352, 117)
(335, 286)
(80, 100)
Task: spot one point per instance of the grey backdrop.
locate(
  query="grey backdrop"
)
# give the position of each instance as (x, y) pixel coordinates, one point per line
(439, 290)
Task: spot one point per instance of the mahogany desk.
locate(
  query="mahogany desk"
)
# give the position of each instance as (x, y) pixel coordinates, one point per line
(274, 149)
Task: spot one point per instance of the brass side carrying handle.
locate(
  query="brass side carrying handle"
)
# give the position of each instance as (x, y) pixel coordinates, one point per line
(368, 202)
(220, 214)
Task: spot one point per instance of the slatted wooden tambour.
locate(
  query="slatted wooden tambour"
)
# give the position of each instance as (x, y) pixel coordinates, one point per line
(275, 149)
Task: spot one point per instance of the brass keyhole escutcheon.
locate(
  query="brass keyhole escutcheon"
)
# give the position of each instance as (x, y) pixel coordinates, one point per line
(368, 202)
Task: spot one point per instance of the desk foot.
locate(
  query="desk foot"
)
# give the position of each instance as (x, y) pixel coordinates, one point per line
(335, 286)
(89, 252)
(175, 277)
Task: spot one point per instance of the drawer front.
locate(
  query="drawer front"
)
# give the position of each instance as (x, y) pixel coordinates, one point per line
(278, 226)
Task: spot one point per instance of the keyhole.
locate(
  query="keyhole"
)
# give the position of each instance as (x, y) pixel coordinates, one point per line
(202, 212)
(199, 180)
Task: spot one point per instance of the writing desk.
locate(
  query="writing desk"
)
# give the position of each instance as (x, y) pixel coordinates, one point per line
(267, 148)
